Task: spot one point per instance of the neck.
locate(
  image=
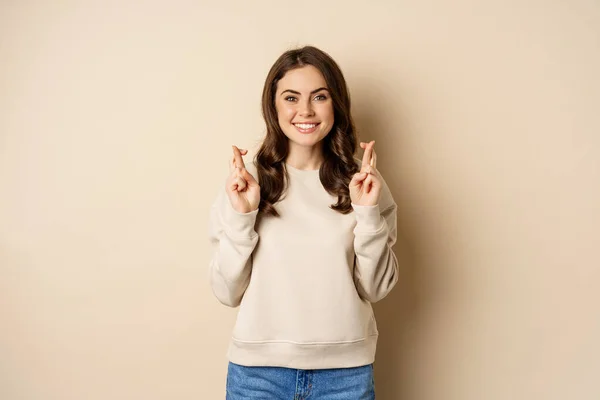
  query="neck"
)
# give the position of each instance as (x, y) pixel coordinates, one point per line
(305, 158)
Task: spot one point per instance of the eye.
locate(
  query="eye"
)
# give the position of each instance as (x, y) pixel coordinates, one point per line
(290, 98)
(320, 97)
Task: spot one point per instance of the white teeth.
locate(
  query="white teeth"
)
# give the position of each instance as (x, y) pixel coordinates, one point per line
(305, 126)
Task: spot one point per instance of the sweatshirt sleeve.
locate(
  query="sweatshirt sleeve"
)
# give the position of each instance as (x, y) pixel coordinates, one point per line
(376, 265)
(232, 241)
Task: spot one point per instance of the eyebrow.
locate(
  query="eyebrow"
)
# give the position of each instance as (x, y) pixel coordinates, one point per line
(313, 92)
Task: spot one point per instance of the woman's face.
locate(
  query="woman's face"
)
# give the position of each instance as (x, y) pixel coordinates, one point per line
(304, 106)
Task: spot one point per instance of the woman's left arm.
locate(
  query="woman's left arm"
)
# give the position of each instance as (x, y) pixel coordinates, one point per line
(375, 264)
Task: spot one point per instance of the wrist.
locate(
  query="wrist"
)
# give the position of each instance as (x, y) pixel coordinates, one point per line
(368, 217)
(240, 223)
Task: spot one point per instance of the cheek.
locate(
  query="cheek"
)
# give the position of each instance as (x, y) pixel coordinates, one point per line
(326, 112)
(285, 113)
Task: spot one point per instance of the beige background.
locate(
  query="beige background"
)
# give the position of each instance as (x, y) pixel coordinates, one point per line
(116, 121)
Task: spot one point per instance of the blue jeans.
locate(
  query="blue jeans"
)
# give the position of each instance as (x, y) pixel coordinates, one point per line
(276, 383)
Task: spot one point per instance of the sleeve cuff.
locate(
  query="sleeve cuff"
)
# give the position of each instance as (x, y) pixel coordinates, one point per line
(368, 218)
(238, 224)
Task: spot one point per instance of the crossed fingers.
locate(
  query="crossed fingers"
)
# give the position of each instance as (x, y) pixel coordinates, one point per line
(237, 161)
(369, 160)
(235, 167)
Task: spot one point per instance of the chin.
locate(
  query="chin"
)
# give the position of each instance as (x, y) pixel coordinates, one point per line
(307, 140)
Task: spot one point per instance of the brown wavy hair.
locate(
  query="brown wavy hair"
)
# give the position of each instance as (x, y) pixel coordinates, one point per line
(339, 145)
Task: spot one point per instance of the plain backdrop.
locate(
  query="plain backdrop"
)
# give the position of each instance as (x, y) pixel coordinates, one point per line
(116, 125)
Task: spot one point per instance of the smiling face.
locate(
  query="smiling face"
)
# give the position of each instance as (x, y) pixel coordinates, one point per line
(304, 106)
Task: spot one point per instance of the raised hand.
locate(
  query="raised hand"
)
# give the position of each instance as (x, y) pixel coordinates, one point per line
(365, 186)
(243, 190)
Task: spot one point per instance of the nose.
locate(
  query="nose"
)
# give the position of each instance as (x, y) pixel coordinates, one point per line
(306, 108)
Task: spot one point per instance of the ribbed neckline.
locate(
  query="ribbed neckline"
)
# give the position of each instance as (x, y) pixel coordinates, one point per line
(301, 171)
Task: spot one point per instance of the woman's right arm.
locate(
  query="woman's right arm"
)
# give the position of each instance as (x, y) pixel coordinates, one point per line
(232, 234)
(232, 241)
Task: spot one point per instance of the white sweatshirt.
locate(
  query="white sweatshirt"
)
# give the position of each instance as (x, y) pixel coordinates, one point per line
(304, 281)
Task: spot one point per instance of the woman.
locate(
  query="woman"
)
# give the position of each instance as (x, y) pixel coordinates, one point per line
(302, 243)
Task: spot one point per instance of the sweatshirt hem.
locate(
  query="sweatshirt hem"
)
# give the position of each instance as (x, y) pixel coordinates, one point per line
(319, 355)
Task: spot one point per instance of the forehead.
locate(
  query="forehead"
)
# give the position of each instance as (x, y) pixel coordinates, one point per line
(303, 79)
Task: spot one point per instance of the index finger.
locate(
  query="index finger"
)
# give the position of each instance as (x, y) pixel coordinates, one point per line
(368, 154)
(237, 155)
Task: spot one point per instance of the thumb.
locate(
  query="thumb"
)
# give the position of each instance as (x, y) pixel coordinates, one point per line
(358, 178)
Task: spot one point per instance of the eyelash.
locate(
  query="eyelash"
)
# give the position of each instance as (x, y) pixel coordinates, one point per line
(292, 97)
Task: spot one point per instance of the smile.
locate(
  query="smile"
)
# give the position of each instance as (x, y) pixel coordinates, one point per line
(306, 128)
